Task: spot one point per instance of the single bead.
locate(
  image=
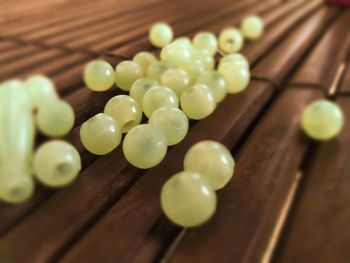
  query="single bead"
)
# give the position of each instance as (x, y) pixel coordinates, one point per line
(235, 58)
(40, 88)
(140, 87)
(322, 120)
(159, 96)
(100, 134)
(185, 41)
(145, 146)
(173, 123)
(212, 160)
(157, 69)
(206, 41)
(15, 91)
(216, 82)
(126, 73)
(187, 199)
(230, 40)
(237, 77)
(144, 59)
(176, 79)
(160, 34)
(124, 110)
(176, 54)
(99, 75)
(252, 27)
(198, 102)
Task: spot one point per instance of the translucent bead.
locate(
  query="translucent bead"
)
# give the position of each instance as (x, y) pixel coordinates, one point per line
(206, 41)
(140, 87)
(126, 73)
(198, 102)
(230, 40)
(204, 57)
(212, 160)
(145, 146)
(185, 41)
(56, 163)
(16, 91)
(216, 82)
(55, 118)
(322, 120)
(144, 59)
(176, 79)
(125, 110)
(160, 34)
(40, 88)
(252, 27)
(173, 123)
(157, 69)
(100, 134)
(159, 96)
(187, 199)
(237, 77)
(99, 75)
(234, 58)
(193, 68)
(176, 54)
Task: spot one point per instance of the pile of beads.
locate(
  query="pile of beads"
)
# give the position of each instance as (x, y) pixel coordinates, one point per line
(184, 76)
(24, 105)
(188, 198)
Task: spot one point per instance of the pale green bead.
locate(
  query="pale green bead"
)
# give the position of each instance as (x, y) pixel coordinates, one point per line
(193, 68)
(145, 146)
(185, 41)
(237, 77)
(125, 110)
(160, 34)
(126, 73)
(55, 118)
(100, 134)
(187, 199)
(322, 120)
(176, 54)
(212, 160)
(15, 90)
(206, 41)
(99, 75)
(173, 123)
(157, 69)
(140, 87)
(198, 102)
(40, 88)
(144, 59)
(235, 58)
(231, 40)
(203, 56)
(159, 96)
(56, 163)
(176, 79)
(252, 27)
(216, 82)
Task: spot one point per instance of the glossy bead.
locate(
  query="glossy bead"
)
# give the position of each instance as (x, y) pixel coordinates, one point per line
(237, 77)
(187, 199)
(99, 75)
(204, 57)
(206, 41)
(124, 110)
(157, 69)
(216, 82)
(100, 134)
(145, 146)
(126, 73)
(185, 41)
(40, 88)
(193, 68)
(234, 58)
(230, 40)
(140, 87)
(144, 59)
(176, 79)
(322, 120)
(198, 102)
(56, 163)
(160, 34)
(176, 54)
(212, 160)
(252, 27)
(159, 96)
(16, 91)
(173, 123)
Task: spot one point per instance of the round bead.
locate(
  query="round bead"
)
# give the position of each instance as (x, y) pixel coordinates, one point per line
(187, 199)
(176, 54)
(124, 110)
(216, 82)
(204, 57)
(322, 120)
(212, 160)
(56, 163)
(235, 58)
(176, 79)
(99, 75)
(252, 27)
(144, 59)
(206, 41)
(185, 41)
(157, 69)
(40, 88)
(140, 87)
(159, 96)
(198, 102)
(55, 118)
(160, 34)
(237, 77)
(145, 146)
(100, 134)
(14, 90)
(173, 123)
(230, 40)
(126, 73)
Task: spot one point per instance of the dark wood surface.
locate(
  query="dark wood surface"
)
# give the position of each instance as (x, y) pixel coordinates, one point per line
(289, 198)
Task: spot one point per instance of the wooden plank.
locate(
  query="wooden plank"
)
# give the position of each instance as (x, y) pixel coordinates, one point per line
(318, 228)
(344, 87)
